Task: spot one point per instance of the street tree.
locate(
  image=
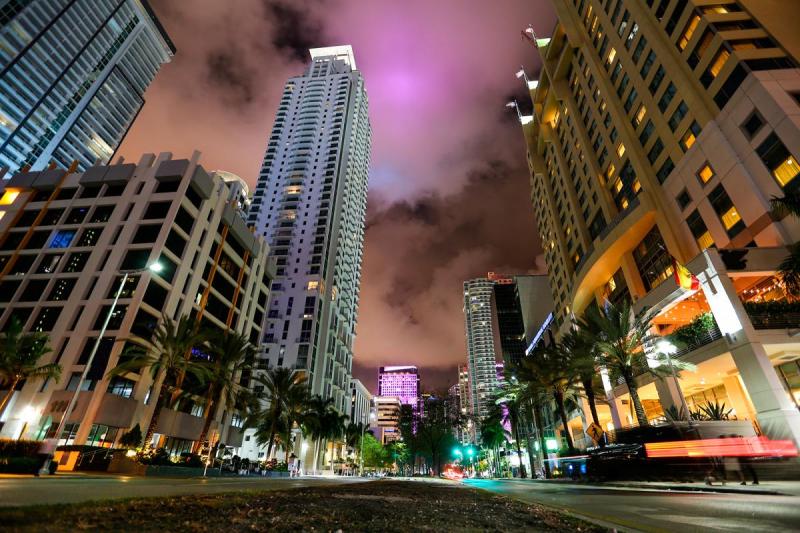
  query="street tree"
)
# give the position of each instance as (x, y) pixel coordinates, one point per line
(19, 359)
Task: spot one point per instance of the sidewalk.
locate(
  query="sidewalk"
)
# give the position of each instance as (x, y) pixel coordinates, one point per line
(779, 488)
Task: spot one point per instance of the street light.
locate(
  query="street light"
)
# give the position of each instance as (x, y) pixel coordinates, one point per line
(667, 348)
(153, 267)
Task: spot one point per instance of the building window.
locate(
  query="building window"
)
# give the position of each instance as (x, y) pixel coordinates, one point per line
(688, 139)
(727, 212)
(120, 386)
(666, 169)
(715, 67)
(677, 117)
(753, 124)
(666, 98)
(778, 160)
(652, 259)
(699, 230)
(62, 238)
(688, 31)
(683, 199)
(705, 173)
(639, 116)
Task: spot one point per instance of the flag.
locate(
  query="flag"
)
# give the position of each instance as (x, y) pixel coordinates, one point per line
(529, 35)
(684, 278)
(511, 104)
(520, 73)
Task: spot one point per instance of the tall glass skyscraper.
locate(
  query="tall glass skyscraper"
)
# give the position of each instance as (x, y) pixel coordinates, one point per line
(481, 358)
(310, 201)
(72, 78)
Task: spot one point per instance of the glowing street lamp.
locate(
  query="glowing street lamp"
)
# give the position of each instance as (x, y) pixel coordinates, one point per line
(153, 267)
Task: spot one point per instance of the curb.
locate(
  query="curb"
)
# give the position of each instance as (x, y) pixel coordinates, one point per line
(711, 488)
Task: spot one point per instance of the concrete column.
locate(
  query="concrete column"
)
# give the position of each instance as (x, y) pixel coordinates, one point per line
(668, 394)
(777, 415)
(737, 398)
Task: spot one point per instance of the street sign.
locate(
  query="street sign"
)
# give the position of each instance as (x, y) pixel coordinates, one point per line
(595, 432)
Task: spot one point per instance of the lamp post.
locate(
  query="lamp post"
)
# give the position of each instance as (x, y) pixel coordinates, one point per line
(667, 348)
(361, 447)
(154, 267)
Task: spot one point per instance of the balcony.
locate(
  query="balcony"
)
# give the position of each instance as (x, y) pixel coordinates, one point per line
(696, 334)
(774, 314)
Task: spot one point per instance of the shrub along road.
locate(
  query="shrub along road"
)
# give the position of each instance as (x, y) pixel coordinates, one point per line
(371, 506)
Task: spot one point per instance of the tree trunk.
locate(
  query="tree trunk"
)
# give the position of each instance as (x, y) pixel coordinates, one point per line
(316, 454)
(151, 427)
(539, 422)
(209, 417)
(8, 396)
(271, 443)
(562, 411)
(522, 473)
(588, 388)
(641, 416)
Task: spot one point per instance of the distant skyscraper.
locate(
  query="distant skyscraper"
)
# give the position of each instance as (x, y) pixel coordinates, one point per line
(508, 312)
(310, 202)
(72, 78)
(401, 382)
(480, 344)
(463, 389)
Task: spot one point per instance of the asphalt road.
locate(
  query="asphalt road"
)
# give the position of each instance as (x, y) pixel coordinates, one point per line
(656, 510)
(21, 491)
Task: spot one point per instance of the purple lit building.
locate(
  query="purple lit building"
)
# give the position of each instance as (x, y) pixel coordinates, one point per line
(401, 382)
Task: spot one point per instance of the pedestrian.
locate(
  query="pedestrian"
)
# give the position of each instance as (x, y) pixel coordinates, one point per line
(746, 467)
(292, 465)
(47, 450)
(297, 467)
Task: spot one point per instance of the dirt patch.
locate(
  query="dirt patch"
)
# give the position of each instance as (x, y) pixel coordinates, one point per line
(377, 506)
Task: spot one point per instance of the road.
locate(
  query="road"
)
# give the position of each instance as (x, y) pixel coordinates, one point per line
(20, 491)
(657, 510)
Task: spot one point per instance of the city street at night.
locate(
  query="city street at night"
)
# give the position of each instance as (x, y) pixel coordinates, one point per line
(657, 510)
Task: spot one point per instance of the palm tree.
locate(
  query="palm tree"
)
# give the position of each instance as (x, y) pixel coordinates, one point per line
(334, 424)
(555, 369)
(19, 358)
(619, 336)
(167, 356)
(511, 398)
(279, 384)
(493, 435)
(582, 353)
(295, 409)
(313, 424)
(231, 354)
(789, 204)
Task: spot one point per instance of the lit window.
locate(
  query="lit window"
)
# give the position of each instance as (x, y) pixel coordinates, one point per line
(691, 26)
(8, 197)
(719, 61)
(611, 56)
(705, 241)
(786, 171)
(730, 218)
(776, 157)
(705, 173)
(62, 239)
(621, 150)
(640, 114)
(312, 285)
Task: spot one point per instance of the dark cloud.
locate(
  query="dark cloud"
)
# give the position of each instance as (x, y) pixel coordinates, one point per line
(296, 28)
(228, 72)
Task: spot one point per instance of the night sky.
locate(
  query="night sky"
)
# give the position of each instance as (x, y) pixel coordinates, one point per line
(449, 192)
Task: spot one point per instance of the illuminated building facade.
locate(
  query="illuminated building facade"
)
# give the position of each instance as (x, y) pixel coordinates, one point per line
(66, 238)
(73, 74)
(402, 382)
(310, 203)
(660, 131)
(481, 355)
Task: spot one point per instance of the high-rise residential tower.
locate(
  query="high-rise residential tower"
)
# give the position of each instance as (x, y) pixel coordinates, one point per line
(310, 203)
(402, 382)
(72, 78)
(660, 131)
(480, 344)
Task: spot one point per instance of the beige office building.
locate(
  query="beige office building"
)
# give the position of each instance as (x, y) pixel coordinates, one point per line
(660, 130)
(65, 241)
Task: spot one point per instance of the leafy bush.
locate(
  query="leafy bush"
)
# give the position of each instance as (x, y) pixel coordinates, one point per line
(19, 448)
(694, 331)
(191, 460)
(159, 457)
(132, 438)
(19, 465)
